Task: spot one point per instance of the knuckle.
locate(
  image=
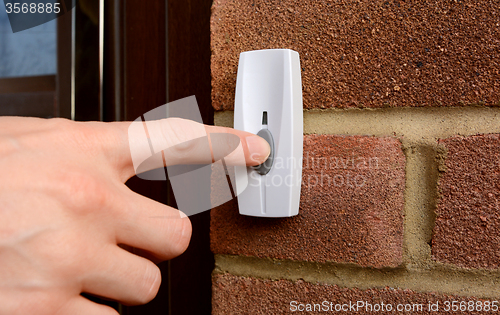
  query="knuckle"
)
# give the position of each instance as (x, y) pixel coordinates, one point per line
(71, 134)
(71, 128)
(61, 122)
(150, 284)
(181, 238)
(181, 140)
(82, 190)
(174, 131)
(180, 133)
(84, 135)
(90, 137)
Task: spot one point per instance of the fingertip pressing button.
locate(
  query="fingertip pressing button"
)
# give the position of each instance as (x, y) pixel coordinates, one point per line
(265, 167)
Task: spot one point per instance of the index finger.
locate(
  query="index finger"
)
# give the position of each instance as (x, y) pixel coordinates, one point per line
(148, 145)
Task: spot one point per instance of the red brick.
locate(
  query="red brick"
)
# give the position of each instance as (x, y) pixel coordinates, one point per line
(358, 220)
(367, 53)
(240, 295)
(468, 213)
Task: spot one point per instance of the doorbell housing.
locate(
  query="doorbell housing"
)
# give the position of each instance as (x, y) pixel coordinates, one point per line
(269, 103)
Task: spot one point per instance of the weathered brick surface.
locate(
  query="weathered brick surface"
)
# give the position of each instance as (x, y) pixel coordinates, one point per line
(367, 53)
(350, 210)
(468, 213)
(240, 295)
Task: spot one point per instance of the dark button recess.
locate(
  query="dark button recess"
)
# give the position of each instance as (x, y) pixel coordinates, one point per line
(265, 167)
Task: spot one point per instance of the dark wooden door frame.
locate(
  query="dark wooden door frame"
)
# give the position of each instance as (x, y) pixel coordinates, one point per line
(154, 52)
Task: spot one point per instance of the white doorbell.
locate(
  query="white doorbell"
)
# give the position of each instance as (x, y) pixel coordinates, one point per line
(269, 103)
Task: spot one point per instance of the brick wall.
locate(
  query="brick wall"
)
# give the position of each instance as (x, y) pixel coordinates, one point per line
(400, 199)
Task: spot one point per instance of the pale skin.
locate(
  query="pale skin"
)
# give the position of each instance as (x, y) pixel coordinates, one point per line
(66, 215)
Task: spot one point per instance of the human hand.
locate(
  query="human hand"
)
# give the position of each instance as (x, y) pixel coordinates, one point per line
(64, 209)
